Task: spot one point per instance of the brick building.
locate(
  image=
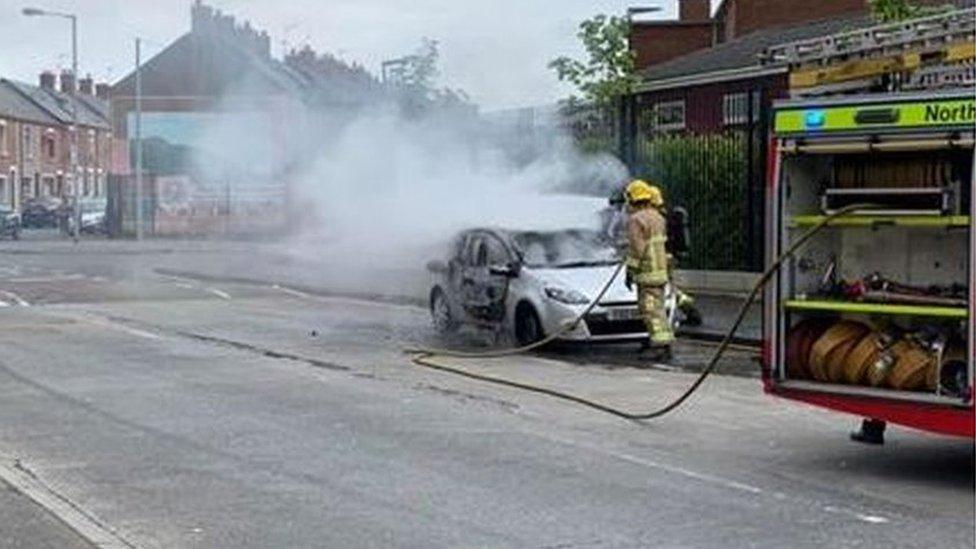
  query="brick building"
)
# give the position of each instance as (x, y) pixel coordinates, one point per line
(702, 73)
(225, 125)
(658, 41)
(35, 124)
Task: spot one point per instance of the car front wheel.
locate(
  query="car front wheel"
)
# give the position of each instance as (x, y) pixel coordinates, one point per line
(440, 312)
(528, 327)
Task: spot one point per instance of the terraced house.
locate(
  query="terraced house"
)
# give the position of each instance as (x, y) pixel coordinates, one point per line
(35, 130)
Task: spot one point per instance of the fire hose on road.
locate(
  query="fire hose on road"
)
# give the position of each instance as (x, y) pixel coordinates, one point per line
(427, 358)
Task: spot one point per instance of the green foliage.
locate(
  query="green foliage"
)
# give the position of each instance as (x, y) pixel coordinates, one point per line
(416, 78)
(419, 70)
(707, 175)
(609, 70)
(891, 11)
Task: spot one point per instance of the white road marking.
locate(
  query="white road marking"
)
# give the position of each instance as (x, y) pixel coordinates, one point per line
(703, 477)
(175, 278)
(15, 298)
(190, 284)
(219, 293)
(292, 292)
(107, 323)
(870, 519)
(873, 519)
(84, 523)
(57, 278)
(4, 304)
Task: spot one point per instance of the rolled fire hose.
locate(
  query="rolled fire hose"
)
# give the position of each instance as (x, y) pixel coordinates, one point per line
(911, 369)
(800, 342)
(861, 357)
(426, 358)
(829, 352)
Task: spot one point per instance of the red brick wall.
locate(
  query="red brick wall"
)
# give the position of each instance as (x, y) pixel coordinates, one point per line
(741, 17)
(659, 42)
(746, 16)
(703, 104)
(694, 10)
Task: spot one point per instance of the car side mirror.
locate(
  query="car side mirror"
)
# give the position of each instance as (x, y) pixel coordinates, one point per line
(509, 270)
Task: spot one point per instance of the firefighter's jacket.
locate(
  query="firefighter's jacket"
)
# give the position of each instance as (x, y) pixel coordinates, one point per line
(647, 258)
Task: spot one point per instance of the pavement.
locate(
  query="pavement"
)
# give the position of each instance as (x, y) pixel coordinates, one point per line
(177, 411)
(26, 525)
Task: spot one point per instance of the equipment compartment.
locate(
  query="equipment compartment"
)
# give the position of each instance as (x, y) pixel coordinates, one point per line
(878, 302)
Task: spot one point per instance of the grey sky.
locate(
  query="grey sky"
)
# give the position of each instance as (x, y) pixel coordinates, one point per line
(496, 50)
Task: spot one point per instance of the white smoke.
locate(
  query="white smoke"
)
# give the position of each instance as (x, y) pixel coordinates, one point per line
(390, 192)
(386, 178)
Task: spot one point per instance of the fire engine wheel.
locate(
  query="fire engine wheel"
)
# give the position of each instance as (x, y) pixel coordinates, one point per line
(528, 327)
(440, 313)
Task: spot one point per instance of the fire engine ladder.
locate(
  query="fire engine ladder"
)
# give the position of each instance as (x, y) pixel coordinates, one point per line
(925, 53)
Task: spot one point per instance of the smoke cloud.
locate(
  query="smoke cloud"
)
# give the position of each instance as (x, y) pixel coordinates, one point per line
(390, 192)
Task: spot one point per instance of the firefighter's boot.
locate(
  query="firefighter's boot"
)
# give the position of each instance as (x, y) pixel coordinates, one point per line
(871, 432)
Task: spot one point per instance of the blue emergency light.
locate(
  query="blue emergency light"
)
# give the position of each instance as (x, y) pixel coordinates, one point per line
(814, 119)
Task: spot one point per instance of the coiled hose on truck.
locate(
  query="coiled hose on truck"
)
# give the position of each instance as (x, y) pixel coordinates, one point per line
(427, 358)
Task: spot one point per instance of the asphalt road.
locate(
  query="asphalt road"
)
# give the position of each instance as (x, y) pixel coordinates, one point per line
(179, 412)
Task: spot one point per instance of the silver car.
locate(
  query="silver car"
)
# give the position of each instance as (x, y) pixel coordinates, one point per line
(533, 283)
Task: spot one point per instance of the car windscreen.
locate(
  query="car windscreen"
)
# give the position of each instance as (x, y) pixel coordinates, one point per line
(564, 249)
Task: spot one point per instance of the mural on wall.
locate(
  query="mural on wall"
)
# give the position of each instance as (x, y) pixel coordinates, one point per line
(206, 167)
(225, 155)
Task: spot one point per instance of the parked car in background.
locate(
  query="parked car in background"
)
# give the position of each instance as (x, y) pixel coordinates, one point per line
(93, 216)
(40, 213)
(9, 222)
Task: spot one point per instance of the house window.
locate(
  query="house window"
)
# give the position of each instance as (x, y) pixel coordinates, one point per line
(668, 116)
(3, 190)
(735, 107)
(28, 142)
(3, 137)
(48, 146)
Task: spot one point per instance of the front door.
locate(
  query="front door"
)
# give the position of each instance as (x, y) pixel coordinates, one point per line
(484, 284)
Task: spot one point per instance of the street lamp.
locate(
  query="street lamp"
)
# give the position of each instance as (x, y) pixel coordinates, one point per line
(37, 12)
(138, 139)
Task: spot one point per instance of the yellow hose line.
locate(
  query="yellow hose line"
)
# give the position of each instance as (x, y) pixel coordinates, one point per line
(426, 357)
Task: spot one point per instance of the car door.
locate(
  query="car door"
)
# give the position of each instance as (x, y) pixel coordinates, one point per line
(485, 277)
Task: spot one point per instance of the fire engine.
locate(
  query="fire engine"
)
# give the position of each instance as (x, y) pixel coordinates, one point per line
(874, 315)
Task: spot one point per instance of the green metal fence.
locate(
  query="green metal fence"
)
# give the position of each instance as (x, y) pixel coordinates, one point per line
(718, 176)
(712, 177)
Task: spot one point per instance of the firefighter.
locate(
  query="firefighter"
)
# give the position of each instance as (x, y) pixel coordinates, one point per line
(647, 261)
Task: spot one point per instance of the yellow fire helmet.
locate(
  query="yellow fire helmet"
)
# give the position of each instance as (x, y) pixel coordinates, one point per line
(642, 191)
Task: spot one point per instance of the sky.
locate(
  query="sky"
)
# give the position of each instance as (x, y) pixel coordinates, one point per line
(495, 50)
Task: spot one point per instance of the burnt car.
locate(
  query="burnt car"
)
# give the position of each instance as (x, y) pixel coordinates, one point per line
(535, 283)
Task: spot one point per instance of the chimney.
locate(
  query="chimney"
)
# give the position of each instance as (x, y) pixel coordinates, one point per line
(264, 45)
(201, 17)
(694, 10)
(86, 86)
(103, 91)
(47, 80)
(67, 82)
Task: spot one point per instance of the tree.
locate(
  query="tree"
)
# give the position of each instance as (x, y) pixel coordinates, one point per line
(891, 11)
(609, 70)
(419, 70)
(414, 78)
